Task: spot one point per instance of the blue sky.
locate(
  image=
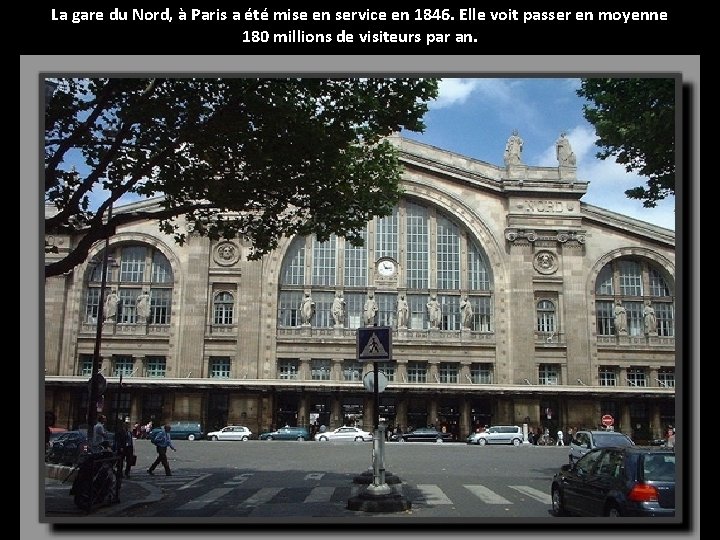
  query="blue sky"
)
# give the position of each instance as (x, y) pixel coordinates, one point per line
(474, 117)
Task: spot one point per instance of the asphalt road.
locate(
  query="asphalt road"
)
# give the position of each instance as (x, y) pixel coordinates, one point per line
(270, 481)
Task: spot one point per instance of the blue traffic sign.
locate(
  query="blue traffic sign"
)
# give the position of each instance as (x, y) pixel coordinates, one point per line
(374, 344)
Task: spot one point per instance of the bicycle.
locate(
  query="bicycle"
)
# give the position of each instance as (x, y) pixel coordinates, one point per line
(96, 482)
(546, 440)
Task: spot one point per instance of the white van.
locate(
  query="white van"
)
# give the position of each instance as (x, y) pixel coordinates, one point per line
(497, 435)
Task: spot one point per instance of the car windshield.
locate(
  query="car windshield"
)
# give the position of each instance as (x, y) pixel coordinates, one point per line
(606, 440)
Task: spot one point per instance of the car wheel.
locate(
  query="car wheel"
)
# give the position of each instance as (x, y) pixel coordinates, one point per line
(482, 442)
(191, 437)
(245, 438)
(301, 438)
(401, 439)
(558, 506)
(439, 439)
(516, 442)
(612, 511)
(214, 438)
(323, 438)
(359, 439)
(269, 438)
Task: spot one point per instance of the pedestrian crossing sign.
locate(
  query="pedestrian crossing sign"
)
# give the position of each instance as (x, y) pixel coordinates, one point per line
(374, 343)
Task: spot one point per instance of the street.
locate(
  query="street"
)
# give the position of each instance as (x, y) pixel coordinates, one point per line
(271, 480)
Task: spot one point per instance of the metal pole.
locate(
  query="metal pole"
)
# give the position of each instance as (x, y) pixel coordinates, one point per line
(93, 398)
(376, 413)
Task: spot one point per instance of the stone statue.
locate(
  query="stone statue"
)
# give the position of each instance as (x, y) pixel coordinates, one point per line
(142, 307)
(338, 309)
(370, 310)
(513, 149)
(467, 313)
(650, 320)
(307, 309)
(403, 312)
(434, 312)
(565, 155)
(620, 319)
(111, 306)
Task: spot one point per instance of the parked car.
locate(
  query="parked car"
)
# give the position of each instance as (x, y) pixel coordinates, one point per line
(422, 434)
(584, 441)
(69, 448)
(181, 430)
(497, 435)
(286, 433)
(230, 433)
(345, 433)
(617, 482)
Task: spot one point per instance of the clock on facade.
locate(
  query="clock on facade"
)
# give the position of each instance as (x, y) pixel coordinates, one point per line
(386, 267)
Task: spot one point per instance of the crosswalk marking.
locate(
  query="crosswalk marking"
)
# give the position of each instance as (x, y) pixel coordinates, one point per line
(533, 493)
(195, 481)
(486, 495)
(320, 494)
(205, 499)
(238, 480)
(432, 494)
(263, 495)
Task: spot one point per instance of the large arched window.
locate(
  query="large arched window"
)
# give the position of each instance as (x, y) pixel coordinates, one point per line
(132, 270)
(638, 286)
(417, 250)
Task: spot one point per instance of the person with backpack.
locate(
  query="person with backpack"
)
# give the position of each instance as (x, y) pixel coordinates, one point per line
(162, 442)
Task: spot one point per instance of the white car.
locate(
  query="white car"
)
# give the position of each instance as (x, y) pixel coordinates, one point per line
(344, 433)
(497, 435)
(230, 433)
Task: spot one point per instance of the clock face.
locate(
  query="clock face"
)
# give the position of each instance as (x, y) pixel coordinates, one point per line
(386, 268)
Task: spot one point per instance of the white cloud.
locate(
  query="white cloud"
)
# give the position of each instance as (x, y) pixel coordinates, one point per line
(453, 91)
(458, 91)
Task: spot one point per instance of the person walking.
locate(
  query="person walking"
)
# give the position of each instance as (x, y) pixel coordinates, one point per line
(560, 441)
(125, 449)
(162, 442)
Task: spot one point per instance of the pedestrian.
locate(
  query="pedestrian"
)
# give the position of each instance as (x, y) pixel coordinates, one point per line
(162, 442)
(99, 434)
(560, 441)
(125, 449)
(569, 435)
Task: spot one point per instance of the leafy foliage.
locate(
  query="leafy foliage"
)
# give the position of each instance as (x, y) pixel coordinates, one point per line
(634, 120)
(257, 157)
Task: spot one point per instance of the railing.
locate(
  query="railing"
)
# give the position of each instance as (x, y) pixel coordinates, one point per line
(401, 335)
(636, 341)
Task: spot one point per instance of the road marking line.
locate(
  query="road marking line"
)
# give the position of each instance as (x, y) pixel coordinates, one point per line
(320, 494)
(486, 495)
(262, 496)
(202, 477)
(432, 494)
(533, 493)
(207, 498)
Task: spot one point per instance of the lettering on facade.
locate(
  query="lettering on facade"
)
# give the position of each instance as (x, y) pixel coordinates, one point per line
(546, 207)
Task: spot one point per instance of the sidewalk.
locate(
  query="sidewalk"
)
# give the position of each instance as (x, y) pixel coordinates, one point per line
(59, 502)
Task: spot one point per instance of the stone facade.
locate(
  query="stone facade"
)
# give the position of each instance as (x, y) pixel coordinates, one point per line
(222, 345)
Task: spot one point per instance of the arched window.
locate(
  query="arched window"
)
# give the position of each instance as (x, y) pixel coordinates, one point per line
(132, 270)
(429, 253)
(223, 308)
(634, 284)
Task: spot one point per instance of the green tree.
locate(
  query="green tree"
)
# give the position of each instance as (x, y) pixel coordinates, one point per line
(261, 158)
(634, 120)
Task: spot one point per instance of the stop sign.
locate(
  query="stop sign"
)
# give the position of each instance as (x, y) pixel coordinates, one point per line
(607, 420)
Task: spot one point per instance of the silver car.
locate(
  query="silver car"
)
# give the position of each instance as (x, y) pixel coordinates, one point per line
(497, 435)
(345, 433)
(584, 441)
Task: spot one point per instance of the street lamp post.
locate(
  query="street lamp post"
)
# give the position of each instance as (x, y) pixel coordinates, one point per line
(96, 378)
